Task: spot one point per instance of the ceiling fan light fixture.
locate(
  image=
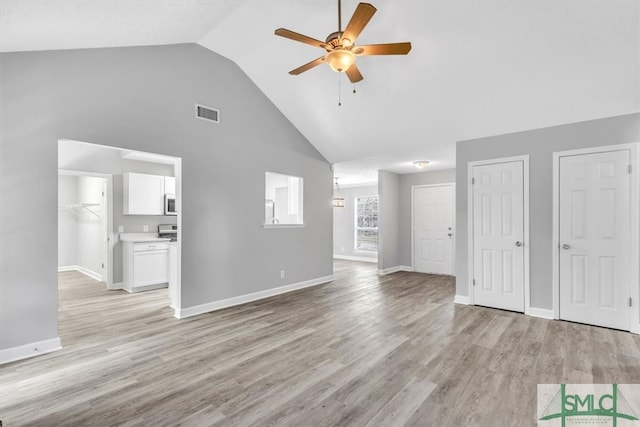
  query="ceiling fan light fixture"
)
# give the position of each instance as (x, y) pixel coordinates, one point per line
(340, 60)
(421, 164)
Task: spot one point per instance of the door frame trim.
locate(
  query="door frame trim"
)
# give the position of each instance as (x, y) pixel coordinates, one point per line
(413, 226)
(634, 149)
(525, 172)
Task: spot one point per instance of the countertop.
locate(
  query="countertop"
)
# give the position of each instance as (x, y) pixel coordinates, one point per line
(142, 237)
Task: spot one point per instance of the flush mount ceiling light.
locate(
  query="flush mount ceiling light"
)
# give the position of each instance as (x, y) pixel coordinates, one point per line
(421, 164)
(338, 201)
(340, 47)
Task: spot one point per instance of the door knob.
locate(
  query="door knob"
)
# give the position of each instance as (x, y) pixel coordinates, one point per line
(518, 244)
(565, 247)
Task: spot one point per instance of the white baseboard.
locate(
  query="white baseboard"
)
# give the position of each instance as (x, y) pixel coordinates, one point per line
(143, 288)
(356, 258)
(82, 270)
(242, 299)
(543, 313)
(37, 348)
(395, 269)
(90, 273)
(461, 299)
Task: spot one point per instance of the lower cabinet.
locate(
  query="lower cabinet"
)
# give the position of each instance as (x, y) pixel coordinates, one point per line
(145, 265)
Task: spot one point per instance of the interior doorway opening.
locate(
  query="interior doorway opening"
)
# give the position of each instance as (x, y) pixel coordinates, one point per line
(356, 235)
(98, 223)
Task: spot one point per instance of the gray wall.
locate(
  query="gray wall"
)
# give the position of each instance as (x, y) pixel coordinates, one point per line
(344, 222)
(90, 158)
(406, 182)
(143, 98)
(539, 144)
(388, 218)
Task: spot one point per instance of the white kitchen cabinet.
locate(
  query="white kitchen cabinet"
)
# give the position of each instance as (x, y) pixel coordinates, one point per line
(143, 194)
(170, 185)
(145, 265)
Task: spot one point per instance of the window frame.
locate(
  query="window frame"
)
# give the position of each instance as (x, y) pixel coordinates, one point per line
(356, 228)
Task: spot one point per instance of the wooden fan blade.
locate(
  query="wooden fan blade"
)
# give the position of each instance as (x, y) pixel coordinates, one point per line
(360, 18)
(288, 34)
(354, 74)
(383, 49)
(307, 66)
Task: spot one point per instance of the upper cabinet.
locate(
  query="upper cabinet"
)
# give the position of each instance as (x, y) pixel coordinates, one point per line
(170, 185)
(143, 194)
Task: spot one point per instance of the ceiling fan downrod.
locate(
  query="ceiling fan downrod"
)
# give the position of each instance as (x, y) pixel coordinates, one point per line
(339, 18)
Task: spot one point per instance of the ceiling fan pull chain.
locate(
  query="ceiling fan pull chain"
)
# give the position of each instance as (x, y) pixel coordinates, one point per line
(339, 92)
(354, 88)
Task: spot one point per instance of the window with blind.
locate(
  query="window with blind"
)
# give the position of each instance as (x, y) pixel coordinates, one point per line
(366, 224)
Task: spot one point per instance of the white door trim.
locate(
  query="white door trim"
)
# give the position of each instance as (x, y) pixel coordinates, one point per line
(178, 291)
(525, 171)
(413, 226)
(634, 149)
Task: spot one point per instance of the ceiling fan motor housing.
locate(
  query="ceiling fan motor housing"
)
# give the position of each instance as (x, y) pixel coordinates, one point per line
(335, 40)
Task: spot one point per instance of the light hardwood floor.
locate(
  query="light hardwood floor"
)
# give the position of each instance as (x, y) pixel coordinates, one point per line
(362, 350)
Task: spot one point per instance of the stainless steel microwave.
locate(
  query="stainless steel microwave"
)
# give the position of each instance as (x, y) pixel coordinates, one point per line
(170, 204)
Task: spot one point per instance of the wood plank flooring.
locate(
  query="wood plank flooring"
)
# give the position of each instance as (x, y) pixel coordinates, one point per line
(363, 350)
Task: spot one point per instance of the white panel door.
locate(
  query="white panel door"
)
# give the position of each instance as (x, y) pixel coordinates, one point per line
(595, 242)
(498, 235)
(433, 218)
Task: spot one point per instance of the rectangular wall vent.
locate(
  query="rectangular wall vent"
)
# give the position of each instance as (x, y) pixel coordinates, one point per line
(207, 113)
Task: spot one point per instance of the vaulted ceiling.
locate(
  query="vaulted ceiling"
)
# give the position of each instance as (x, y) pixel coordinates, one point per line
(477, 67)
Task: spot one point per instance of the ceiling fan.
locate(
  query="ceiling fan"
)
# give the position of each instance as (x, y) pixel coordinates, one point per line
(341, 51)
